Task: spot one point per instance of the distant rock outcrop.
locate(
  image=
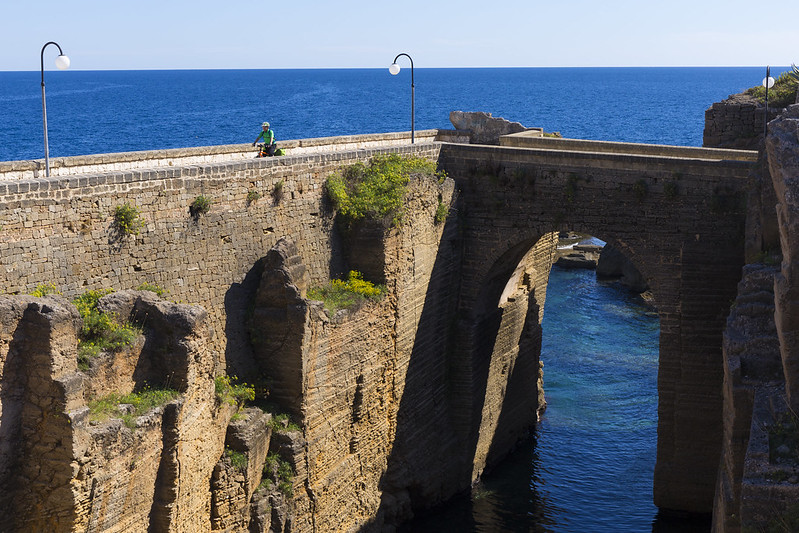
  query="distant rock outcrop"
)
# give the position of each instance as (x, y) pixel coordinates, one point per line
(614, 264)
(484, 128)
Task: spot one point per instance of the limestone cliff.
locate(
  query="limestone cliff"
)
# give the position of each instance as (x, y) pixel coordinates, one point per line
(758, 483)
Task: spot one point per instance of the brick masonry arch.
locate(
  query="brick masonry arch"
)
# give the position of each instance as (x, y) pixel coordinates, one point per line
(679, 219)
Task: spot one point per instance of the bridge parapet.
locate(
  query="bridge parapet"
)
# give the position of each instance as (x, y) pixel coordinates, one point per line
(204, 155)
(520, 140)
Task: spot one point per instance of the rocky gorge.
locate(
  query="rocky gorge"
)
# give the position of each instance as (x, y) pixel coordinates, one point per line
(359, 429)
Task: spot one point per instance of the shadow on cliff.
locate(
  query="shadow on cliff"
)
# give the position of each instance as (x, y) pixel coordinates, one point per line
(440, 411)
(239, 299)
(12, 396)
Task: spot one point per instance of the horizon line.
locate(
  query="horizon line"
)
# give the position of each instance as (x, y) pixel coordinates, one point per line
(382, 68)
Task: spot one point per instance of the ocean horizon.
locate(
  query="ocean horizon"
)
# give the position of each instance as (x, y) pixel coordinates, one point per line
(107, 111)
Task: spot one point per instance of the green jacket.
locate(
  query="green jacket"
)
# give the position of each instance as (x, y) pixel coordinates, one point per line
(268, 136)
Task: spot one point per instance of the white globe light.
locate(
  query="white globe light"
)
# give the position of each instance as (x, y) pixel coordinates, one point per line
(394, 69)
(768, 82)
(62, 62)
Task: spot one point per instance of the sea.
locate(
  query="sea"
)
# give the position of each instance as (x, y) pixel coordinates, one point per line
(589, 464)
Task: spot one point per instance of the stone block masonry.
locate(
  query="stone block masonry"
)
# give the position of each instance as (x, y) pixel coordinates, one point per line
(404, 403)
(61, 230)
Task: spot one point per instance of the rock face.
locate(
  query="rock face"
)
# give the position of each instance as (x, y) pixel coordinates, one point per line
(614, 264)
(579, 256)
(782, 145)
(69, 474)
(758, 485)
(485, 128)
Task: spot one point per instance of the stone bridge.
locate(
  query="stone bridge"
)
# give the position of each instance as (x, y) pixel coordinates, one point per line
(677, 213)
(445, 368)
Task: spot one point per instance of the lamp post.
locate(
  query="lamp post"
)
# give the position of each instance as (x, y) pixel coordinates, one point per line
(61, 62)
(394, 69)
(768, 82)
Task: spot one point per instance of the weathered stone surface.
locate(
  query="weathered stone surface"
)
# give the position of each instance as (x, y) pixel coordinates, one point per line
(614, 264)
(485, 128)
(782, 145)
(403, 403)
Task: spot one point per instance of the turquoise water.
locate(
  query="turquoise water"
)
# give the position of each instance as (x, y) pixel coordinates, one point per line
(589, 465)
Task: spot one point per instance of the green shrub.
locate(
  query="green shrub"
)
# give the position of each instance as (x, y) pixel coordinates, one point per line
(126, 219)
(441, 212)
(349, 294)
(238, 460)
(44, 289)
(375, 191)
(252, 196)
(232, 393)
(101, 331)
(670, 190)
(782, 94)
(282, 422)
(276, 470)
(200, 206)
(147, 286)
(146, 399)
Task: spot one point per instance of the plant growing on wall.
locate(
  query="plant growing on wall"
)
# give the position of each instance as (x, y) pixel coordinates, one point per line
(229, 391)
(441, 212)
(670, 190)
(152, 287)
(200, 206)
(375, 191)
(107, 407)
(127, 219)
(43, 289)
(277, 192)
(252, 196)
(101, 331)
(346, 294)
(640, 188)
(238, 460)
(278, 471)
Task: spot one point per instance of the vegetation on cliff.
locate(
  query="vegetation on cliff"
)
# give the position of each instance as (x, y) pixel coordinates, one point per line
(101, 331)
(228, 391)
(784, 92)
(346, 294)
(375, 190)
(136, 404)
(277, 471)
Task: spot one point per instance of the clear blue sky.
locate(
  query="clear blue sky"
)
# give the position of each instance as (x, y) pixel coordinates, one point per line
(169, 34)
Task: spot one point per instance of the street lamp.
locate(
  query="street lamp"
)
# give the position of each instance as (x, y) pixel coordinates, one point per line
(394, 69)
(768, 83)
(61, 62)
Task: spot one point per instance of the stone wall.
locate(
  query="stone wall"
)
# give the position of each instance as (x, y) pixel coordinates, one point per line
(208, 155)
(736, 123)
(61, 230)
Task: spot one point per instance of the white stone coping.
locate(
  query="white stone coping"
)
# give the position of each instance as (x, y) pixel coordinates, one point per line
(203, 155)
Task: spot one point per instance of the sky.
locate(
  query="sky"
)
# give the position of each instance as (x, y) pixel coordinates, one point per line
(206, 34)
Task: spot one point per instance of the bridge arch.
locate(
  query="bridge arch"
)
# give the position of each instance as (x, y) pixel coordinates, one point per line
(678, 219)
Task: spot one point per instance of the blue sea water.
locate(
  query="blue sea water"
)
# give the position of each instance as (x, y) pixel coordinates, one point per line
(589, 466)
(93, 112)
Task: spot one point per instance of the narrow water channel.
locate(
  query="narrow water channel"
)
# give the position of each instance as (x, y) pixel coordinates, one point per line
(590, 463)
